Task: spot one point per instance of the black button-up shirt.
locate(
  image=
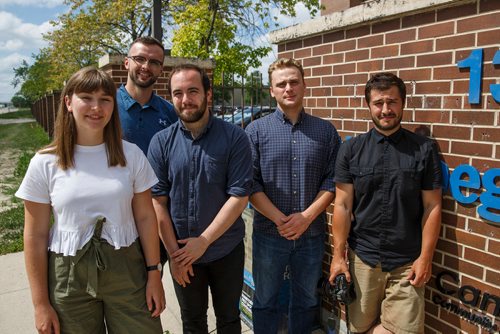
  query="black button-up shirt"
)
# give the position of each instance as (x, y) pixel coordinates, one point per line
(292, 164)
(199, 175)
(388, 174)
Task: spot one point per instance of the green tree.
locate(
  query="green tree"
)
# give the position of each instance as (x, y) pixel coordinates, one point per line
(20, 101)
(37, 79)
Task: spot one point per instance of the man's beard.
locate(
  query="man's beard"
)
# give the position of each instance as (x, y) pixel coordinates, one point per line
(195, 116)
(143, 84)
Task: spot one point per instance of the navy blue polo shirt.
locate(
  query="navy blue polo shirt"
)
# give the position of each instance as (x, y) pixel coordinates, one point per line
(199, 175)
(292, 164)
(388, 174)
(140, 123)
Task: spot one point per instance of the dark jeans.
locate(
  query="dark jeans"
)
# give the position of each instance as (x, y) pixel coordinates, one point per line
(225, 279)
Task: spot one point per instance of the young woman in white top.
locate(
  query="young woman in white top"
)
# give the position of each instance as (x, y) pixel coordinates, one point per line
(94, 278)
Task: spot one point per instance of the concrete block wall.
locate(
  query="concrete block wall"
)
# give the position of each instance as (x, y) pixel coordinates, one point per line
(421, 41)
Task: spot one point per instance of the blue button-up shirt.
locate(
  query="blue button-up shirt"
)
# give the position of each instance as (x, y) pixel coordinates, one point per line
(292, 164)
(199, 175)
(140, 123)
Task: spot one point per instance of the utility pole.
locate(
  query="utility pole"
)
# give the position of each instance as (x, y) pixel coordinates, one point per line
(156, 20)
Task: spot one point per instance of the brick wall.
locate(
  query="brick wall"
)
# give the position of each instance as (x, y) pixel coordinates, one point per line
(423, 47)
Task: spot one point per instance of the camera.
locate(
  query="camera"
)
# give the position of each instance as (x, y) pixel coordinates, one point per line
(341, 291)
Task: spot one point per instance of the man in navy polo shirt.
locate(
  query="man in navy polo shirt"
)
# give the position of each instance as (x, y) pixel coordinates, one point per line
(142, 112)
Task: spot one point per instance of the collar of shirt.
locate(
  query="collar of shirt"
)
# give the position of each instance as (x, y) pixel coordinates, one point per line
(128, 101)
(395, 137)
(280, 115)
(205, 130)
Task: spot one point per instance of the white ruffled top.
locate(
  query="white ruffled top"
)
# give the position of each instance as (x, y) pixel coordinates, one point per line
(80, 195)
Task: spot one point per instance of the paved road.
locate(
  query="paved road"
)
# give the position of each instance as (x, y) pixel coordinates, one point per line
(16, 120)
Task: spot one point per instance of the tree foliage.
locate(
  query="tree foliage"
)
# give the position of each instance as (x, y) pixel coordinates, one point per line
(225, 30)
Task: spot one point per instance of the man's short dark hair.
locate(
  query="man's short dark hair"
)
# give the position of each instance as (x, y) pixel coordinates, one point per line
(384, 81)
(148, 40)
(205, 80)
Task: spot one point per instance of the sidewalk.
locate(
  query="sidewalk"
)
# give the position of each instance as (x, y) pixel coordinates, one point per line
(16, 309)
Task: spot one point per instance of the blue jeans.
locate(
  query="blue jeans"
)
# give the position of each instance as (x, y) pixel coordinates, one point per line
(270, 257)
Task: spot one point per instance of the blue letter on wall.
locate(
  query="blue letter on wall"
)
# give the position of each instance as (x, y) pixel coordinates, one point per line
(490, 198)
(475, 63)
(456, 182)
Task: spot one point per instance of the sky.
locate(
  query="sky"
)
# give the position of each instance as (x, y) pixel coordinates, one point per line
(23, 22)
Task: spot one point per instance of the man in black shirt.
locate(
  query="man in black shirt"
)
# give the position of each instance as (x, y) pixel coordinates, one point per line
(388, 212)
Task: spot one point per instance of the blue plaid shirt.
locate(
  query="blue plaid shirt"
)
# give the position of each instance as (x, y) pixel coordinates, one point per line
(292, 164)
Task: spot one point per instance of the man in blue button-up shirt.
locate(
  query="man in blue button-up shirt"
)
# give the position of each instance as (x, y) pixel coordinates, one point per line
(293, 162)
(205, 177)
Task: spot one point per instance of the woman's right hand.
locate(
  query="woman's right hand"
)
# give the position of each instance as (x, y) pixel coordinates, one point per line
(46, 320)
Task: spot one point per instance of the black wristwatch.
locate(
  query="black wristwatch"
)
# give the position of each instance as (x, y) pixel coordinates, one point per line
(155, 267)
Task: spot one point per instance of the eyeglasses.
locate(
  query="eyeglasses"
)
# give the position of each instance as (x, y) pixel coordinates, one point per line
(140, 60)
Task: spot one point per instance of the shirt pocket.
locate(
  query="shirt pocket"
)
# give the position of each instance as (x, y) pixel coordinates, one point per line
(362, 179)
(409, 181)
(215, 169)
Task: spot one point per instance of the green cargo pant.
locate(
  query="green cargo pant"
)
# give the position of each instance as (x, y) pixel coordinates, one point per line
(101, 288)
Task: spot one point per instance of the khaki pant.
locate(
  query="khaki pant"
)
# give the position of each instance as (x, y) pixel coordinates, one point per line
(101, 289)
(385, 297)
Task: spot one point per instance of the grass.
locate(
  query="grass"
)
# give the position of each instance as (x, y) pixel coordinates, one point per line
(24, 139)
(21, 113)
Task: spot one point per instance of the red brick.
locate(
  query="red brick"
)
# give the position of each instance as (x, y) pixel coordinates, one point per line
(386, 26)
(467, 239)
(452, 102)
(331, 102)
(436, 30)
(453, 13)
(487, 21)
(313, 41)
(359, 79)
(363, 114)
(333, 36)
(281, 47)
(359, 126)
(401, 36)
(421, 74)
(482, 165)
(322, 113)
(302, 53)
(453, 220)
(358, 31)
(333, 58)
(484, 228)
(289, 54)
(431, 102)
(488, 5)
(321, 91)
(343, 91)
(444, 146)
(449, 247)
(385, 51)
(454, 320)
(497, 154)
(320, 103)
(333, 80)
(473, 117)
(400, 62)
(435, 59)
(293, 45)
(492, 277)
(413, 101)
(344, 46)
(343, 114)
(434, 87)
(312, 82)
(452, 132)
(314, 61)
(461, 86)
(370, 41)
(357, 55)
(356, 102)
(467, 209)
(343, 102)
(369, 66)
(417, 47)
(487, 134)
(418, 19)
(344, 68)
(494, 247)
(449, 72)
(472, 149)
(325, 49)
(438, 325)
(324, 70)
(464, 267)
(455, 42)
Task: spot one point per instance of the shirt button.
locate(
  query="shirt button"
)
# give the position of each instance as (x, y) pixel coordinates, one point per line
(294, 175)
(295, 192)
(294, 158)
(294, 141)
